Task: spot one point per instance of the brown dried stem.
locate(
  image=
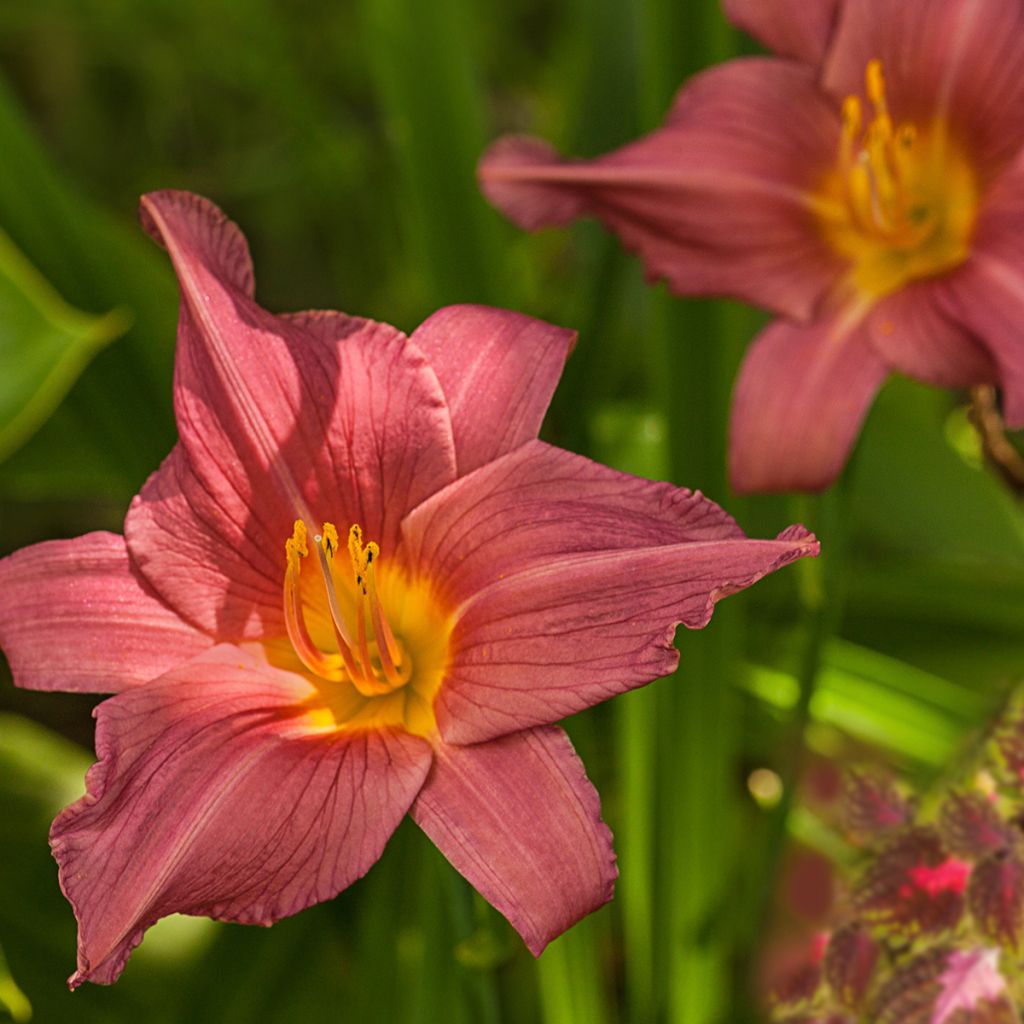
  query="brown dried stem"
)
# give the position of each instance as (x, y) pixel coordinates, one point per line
(987, 419)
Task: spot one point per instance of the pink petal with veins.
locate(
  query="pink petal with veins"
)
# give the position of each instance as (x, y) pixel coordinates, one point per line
(75, 615)
(215, 795)
(716, 201)
(498, 371)
(801, 396)
(792, 28)
(958, 60)
(521, 821)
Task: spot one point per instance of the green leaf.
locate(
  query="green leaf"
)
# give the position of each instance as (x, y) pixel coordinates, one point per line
(12, 999)
(44, 345)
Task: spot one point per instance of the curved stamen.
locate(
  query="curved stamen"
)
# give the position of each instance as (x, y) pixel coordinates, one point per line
(368, 606)
(877, 161)
(309, 654)
(326, 545)
(372, 670)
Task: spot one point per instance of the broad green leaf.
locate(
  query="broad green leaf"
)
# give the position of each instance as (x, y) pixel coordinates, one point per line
(44, 345)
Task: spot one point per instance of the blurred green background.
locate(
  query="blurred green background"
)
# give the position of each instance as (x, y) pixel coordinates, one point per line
(343, 139)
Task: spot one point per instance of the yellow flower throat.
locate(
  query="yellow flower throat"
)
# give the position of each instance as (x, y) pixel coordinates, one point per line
(372, 669)
(900, 202)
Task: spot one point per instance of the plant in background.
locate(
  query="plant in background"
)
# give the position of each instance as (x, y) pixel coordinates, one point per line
(287, 690)
(932, 925)
(865, 185)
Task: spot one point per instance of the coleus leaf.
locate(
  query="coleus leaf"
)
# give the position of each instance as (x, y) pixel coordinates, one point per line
(946, 986)
(872, 804)
(995, 896)
(849, 963)
(1008, 741)
(826, 1017)
(795, 988)
(912, 886)
(970, 826)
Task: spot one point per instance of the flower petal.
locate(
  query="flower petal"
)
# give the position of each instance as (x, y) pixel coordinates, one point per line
(498, 371)
(569, 580)
(957, 59)
(75, 615)
(718, 200)
(801, 396)
(792, 28)
(521, 821)
(910, 331)
(539, 504)
(222, 570)
(320, 416)
(217, 794)
(987, 297)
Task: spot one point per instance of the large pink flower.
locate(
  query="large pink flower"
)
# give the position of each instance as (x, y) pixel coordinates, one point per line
(867, 185)
(285, 691)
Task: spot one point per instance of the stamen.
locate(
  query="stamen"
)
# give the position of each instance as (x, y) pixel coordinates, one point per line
(877, 167)
(853, 120)
(326, 545)
(309, 654)
(875, 81)
(372, 674)
(368, 605)
(391, 653)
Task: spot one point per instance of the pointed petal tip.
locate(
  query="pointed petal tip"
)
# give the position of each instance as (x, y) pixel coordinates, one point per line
(805, 541)
(173, 217)
(512, 175)
(793, 543)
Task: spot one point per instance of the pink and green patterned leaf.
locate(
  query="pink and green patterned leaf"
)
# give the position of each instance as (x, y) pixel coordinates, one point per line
(913, 887)
(825, 1017)
(797, 989)
(850, 963)
(971, 827)
(1009, 744)
(995, 897)
(794, 990)
(946, 986)
(873, 805)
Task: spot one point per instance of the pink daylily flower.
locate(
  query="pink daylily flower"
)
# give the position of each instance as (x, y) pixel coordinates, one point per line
(286, 689)
(867, 185)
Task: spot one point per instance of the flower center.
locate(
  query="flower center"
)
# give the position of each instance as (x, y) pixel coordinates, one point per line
(900, 202)
(384, 670)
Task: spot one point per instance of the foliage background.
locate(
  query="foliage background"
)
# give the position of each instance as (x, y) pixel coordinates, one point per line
(343, 139)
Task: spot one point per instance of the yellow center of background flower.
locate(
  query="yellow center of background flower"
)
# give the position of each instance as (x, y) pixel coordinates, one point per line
(901, 201)
(374, 641)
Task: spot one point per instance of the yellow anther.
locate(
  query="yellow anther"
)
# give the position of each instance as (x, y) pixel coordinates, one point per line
(853, 117)
(361, 556)
(875, 81)
(330, 538)
(295, 546)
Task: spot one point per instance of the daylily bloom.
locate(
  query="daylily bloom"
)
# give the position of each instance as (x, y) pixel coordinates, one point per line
(358, 586)
(867, 185)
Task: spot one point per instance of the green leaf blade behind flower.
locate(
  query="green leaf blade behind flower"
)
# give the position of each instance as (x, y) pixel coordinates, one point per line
(44, 345)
